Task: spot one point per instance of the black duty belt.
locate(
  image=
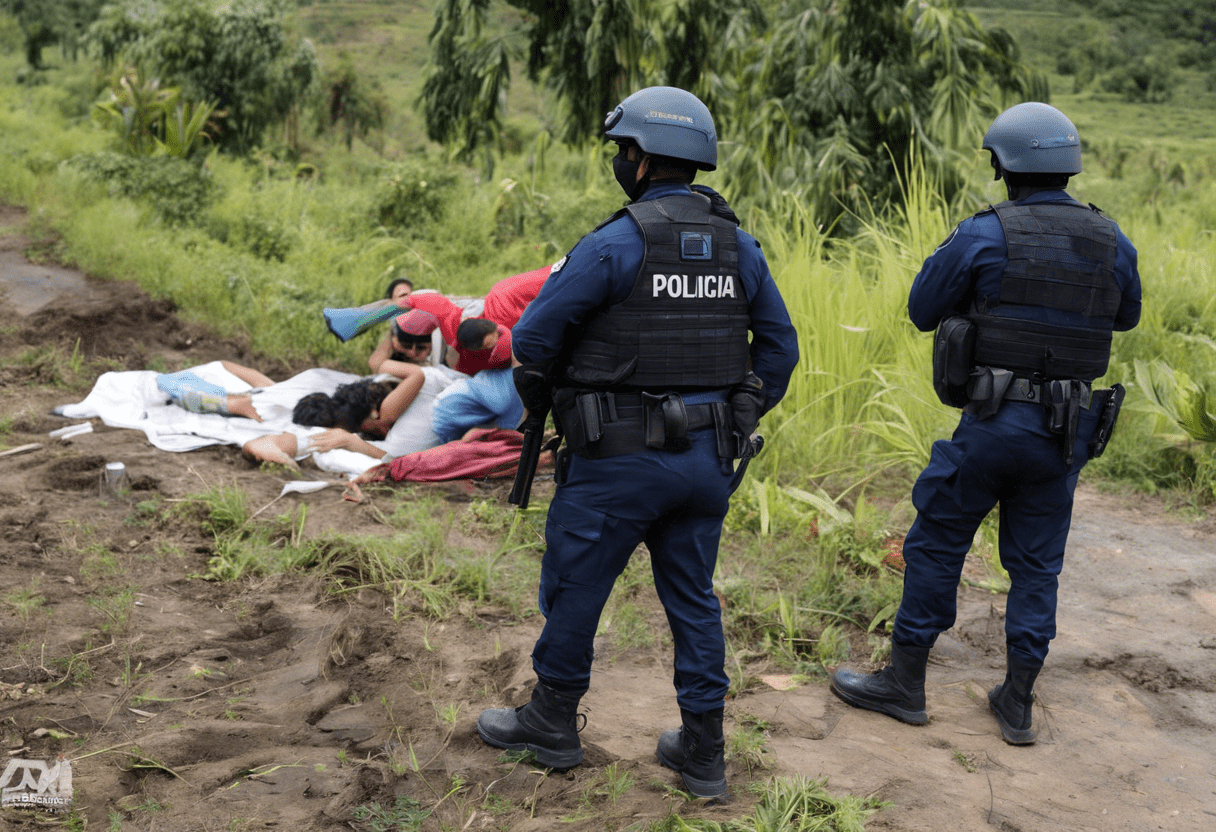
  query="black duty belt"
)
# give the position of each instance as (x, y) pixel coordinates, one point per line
(1027, 390)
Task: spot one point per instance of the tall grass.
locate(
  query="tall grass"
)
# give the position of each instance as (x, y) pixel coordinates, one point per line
(272, 248)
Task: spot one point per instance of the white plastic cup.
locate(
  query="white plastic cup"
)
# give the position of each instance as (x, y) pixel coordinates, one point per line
(115, 481)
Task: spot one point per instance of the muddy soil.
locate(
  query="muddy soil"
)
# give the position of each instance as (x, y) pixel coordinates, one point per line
(200, 705)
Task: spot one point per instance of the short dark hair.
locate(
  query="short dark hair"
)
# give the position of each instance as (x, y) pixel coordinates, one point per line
(347, 408)
(473, 331)
(388, 293)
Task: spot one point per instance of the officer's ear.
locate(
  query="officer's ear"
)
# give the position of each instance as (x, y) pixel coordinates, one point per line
(996, 165)
(643, 166)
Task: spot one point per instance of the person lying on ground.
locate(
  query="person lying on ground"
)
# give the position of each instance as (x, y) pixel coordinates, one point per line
(481, 346)
(409, 344)
(488, 399)
(377, 419)
(189, 391)
(398, 289)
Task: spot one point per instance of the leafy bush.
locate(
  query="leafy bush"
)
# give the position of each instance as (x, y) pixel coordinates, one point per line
(178, 191)
(411, 194)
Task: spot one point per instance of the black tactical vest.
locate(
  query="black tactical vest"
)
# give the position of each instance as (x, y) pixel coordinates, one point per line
(1061, 256)
(684, 325)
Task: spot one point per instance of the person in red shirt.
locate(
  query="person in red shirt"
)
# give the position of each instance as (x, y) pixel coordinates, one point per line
(508, 298)
(483, 343)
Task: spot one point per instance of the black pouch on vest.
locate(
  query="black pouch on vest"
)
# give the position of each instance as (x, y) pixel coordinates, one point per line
(953, 350)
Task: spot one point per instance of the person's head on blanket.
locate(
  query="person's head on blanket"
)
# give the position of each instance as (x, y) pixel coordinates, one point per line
(411, 335)
(353, 407)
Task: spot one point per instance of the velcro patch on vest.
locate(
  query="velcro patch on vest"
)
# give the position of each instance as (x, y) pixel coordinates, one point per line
(693, 287)
(696, 246)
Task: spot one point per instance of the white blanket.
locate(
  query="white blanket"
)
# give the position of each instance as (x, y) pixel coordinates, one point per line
(132, 400)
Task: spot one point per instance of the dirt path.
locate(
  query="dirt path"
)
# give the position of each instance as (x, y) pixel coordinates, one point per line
(208, 706)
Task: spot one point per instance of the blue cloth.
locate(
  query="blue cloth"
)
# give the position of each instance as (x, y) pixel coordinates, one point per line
(674, 502)
(177, 385)
(1011, 460)
(486, 397)
(601, 270)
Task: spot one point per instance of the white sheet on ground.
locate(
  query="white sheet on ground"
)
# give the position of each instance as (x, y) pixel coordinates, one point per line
(132, 400)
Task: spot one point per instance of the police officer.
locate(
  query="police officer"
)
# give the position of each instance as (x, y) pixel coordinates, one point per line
(639, 339)
(1039, 282)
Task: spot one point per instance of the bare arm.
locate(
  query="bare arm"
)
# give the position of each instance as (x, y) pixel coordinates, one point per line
(248, 375)
(335, 438)
(280, 448)
(381, 354)
(403, 395)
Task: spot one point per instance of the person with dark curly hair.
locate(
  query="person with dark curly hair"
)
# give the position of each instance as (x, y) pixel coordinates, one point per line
(365, 406)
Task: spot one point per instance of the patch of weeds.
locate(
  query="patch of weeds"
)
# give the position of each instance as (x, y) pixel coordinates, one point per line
(25, 600)
(748, 744)
(116, 607)
(967, 761)
(99, 564)
(76, 670)
(448, 714)
(405, 815)
(627, 626)
(149, 805)
(6, 425)
(143, 514)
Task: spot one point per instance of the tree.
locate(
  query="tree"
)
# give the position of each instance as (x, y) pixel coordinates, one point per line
(827, 101)
(590, 53)
(351, 102)
(840, 102)
(46, 22)
(238, 55)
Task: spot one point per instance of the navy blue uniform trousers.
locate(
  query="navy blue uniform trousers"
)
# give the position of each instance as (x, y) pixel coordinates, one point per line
(675, 503)
(1013, 460)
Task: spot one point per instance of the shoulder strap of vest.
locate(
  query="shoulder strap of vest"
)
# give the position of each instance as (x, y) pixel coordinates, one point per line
(620, 212)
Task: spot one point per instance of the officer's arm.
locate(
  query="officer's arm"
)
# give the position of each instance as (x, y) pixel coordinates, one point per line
(944, 280)
(774, 345)
(1129, 278)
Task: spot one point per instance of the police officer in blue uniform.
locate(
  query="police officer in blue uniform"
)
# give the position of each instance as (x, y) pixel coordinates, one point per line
(640, 341)
(1024, 296)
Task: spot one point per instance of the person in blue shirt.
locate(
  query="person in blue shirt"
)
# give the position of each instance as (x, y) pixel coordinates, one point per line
(659, 341)
(1039, 282)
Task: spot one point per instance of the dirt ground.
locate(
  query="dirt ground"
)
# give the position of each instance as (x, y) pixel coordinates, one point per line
(269, 704)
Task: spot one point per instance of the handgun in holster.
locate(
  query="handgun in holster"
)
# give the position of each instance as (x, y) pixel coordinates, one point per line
(1063, 402)
(1106, 420)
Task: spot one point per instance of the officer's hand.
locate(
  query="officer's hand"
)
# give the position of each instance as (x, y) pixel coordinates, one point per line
(532, 384)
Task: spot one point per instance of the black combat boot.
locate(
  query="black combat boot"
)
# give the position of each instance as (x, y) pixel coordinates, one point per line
(696, 751)
(1012, 700)
(547, 726)
(897, 690)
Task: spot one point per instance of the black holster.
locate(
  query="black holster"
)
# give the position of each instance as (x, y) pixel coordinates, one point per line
(1063, 400)
(1106, 419)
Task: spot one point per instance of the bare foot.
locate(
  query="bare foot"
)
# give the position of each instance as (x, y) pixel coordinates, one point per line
(242, 406)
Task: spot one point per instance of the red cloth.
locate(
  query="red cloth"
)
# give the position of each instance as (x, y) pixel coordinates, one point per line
(449, 315)
(507, 299)
(483, 453)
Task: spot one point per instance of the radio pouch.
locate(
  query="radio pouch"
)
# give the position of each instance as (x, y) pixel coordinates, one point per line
(953, 350)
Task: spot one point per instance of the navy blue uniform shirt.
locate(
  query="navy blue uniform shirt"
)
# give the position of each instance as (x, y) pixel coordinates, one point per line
(972, 259)
(600, 271)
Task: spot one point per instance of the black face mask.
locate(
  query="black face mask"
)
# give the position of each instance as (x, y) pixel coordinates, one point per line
(626, 173)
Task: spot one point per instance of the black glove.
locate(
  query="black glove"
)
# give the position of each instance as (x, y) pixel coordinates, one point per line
(532, 384)
(747, 403)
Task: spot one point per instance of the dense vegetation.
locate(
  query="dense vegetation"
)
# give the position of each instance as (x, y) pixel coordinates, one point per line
(291, 169)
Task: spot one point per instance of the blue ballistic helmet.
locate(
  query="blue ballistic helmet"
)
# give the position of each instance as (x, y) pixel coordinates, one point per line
(1034, 138)
(666, 121)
